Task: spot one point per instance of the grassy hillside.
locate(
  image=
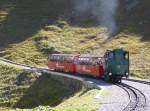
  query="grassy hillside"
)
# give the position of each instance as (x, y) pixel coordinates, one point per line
(19, 89)
(32, 92)
(30, 30)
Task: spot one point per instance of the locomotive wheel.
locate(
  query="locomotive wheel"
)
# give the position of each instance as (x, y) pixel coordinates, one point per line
(117, 80)
(108, 78)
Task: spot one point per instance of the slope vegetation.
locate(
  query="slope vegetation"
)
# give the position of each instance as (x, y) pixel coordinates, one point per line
(28, 91)
(30, 30)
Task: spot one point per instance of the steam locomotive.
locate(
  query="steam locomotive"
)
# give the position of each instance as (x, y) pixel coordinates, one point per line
(112, 66)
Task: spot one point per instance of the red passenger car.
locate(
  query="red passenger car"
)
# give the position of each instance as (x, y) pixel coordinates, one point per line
(112, 66)
(62, 62)
(89, 65)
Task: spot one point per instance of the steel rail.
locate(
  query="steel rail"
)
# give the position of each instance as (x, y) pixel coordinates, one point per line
(12, 62)
(137, 100)
(136, 97)
(139, 81)
(52, 72)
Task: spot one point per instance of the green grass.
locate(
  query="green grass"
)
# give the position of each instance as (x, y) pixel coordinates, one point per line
(80, 102)
(34, 51)
(28, 91)
(139, 53)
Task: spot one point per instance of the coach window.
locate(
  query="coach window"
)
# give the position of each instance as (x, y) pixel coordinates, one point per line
(86, 61)
(55, 58)
(49, 57)
(58, 58)
(62, 58)
(76, 60)
(91, 61)
(80, 60)
(68, 59)
(71, 59)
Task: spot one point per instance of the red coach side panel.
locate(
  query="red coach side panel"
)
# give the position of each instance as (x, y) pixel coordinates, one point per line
(62, 62)
(101, 70)
(69, 67)
(76, 64)
(93, 70)
(90, 65)
(52, 65)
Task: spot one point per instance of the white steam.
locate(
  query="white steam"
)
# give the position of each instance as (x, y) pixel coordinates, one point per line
(108, 10)
(104, 10)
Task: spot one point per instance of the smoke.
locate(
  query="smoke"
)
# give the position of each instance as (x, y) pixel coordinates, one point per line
(108, 10)
(104, 10)
(131, 4)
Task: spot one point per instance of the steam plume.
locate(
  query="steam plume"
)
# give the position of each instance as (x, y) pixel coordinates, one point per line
(103, 10)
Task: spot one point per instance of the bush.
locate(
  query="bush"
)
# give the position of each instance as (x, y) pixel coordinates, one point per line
(53, 28)
(46, 47)
(61, 23)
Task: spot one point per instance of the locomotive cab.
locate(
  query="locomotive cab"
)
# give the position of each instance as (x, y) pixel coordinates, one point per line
(117, 64)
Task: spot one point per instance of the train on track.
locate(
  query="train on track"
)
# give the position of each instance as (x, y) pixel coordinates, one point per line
(112, 66)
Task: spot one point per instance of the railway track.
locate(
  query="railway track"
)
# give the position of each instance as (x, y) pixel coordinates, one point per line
(32, 68)
(137, 100)
(139, 81)
(14, 63)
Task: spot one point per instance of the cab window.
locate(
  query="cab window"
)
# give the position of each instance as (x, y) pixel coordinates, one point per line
(111, 55)
(126, 55)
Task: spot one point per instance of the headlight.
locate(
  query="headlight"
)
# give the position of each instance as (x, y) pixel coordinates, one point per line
(127, 74)
(118, 66)
(110, 74)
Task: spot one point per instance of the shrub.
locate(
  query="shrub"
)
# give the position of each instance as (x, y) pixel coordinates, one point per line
(46, 47)
(53, 28)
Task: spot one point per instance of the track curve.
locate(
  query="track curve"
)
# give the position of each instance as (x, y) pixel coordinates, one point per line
(137, 98)
(139, 81)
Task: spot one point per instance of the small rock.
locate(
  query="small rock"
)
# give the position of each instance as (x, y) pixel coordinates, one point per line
(53, 28)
